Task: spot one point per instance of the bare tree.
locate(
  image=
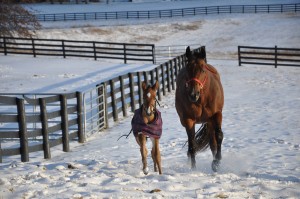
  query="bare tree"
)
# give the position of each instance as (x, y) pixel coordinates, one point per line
(16, 20)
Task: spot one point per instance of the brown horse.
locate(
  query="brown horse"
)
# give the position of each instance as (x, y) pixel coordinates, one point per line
(200, 99)
(147, 122)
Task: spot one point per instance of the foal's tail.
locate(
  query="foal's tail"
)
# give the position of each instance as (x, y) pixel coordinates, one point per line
(202, 138)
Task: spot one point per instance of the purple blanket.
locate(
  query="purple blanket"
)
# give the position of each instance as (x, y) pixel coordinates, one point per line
(153, 130)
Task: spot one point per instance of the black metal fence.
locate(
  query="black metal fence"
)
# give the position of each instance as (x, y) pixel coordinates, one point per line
(273, 8)
(70, 48)
(269, 56)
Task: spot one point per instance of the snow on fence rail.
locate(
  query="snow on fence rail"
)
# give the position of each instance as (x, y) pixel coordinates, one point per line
(46, 120)
(269, 56)
(170, 12)
(71, 48)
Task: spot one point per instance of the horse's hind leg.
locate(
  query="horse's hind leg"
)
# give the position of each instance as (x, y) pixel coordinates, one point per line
(156, 155)
(141, 139)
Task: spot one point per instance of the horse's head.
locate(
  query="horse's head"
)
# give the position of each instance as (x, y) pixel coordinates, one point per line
(196, 76)
(149, 96)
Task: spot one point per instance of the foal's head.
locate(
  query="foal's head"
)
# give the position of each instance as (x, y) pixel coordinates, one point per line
(149, 97)
(196, 77)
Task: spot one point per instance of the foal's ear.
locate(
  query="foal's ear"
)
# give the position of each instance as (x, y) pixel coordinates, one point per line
(155, 86)
(188, 52)
(144, 85)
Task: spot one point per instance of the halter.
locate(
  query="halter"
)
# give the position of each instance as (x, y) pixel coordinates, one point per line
(202, 84)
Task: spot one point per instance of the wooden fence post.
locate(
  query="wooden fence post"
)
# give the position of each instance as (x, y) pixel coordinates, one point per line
(45, 133)
(239, 55)
(105, 107)
(168, 77)
(33, 47)
(81, 136)
(153, 54)
(0, 152)
(163, 79)
(64, 123)
(157, 78)
(172, 74)
(95, 52)
(152, 77)
(22, 130)
(63, 48)
(131, 85)
(140, 88)
(4, 44)
(125, 56)
(124, 108)
(113, 100)
(275, 56)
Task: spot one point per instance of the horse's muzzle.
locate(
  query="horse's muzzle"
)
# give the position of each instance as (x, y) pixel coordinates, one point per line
(193, 97)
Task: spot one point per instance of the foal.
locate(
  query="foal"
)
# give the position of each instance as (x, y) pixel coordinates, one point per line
(147, 122)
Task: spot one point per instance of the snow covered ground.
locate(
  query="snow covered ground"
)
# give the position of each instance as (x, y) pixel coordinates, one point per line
(261, 148)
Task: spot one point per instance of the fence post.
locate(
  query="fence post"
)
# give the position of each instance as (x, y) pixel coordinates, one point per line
(33, 47)
(63, 48)
(105, 106)
(0, 152)
(22, 130)
(124, 109)
(64, 123)
(79, 97)
(239, 55)
(45, 133)
(163, 79)
(168, 77)
(157, 78)
(275, 56)
(140, 88)
(131, 85)
(113, 99)
(153, 54)
(4, 44)
(172, 74)
(95, 52)
(125, 58)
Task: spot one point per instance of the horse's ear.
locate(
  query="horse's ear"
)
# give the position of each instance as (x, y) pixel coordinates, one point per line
(188, 52)
(144, 85)
(202, 52)
(155, 86)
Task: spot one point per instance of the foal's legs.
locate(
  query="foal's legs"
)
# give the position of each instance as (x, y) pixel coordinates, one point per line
(216, 139)
(155, 152)
(141, 140)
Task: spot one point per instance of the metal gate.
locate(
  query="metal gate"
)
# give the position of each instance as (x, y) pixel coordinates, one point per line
(94, 110)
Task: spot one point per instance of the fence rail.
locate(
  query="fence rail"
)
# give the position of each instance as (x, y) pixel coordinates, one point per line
(273, 8)
(269, 56)
(71, 48)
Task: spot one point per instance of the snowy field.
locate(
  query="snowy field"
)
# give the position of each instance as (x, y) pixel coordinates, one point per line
(261, 147)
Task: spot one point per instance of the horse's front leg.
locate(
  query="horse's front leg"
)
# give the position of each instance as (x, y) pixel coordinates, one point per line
(156, 155)
(141, 139)
(190, 130)
(217, 139)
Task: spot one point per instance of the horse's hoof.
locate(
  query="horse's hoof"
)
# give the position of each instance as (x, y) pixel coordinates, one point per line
(215, 165)
(146, 171)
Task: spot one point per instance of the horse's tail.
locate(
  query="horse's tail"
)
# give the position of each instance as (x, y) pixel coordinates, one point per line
(202, 138)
